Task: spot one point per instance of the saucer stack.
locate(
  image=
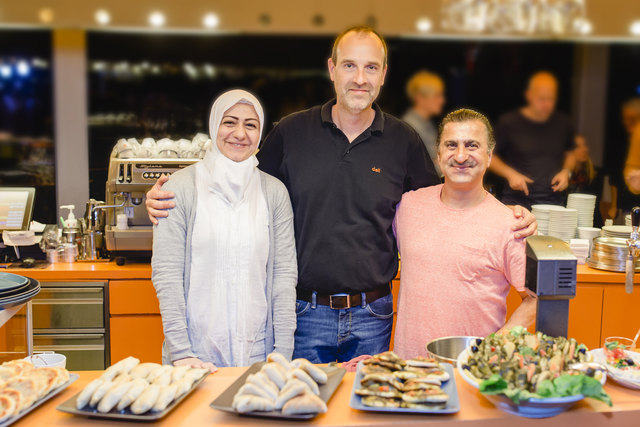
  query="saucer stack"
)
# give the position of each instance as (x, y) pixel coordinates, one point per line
(585, 205)
(541, 212)
(619, 231)
(563, 223)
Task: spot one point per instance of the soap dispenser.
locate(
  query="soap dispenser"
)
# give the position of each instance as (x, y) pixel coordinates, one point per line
(71, 233)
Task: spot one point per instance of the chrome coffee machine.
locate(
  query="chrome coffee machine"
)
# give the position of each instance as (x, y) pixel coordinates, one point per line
(551, 275)
(127, 225)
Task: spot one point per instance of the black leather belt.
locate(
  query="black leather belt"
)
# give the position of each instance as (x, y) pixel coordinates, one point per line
(338, 302)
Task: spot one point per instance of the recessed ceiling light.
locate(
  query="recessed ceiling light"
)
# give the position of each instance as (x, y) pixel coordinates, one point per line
(157, 19)
(635, 28)
(102, 17)
(22, 67)
(46, 15)
(5, 71)
(211, 20)
(423, 25)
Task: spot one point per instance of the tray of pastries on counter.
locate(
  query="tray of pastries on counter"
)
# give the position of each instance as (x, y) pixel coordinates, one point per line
(281, 389)
(130, 390)
(24, 387)
(387, 383)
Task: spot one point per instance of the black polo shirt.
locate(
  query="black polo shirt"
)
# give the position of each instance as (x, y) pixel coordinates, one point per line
(344, 195)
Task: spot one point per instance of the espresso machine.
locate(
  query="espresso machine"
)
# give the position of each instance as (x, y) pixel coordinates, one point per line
(551, 275)
(128, 230)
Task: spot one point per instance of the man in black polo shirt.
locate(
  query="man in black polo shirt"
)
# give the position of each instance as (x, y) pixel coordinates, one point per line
(346, 165)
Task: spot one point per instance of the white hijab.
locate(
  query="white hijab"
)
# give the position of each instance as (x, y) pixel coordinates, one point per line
(227, 305)
(227, 178)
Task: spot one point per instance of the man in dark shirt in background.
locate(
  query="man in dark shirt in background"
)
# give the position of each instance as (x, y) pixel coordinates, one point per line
(534, 150)
(346, 165)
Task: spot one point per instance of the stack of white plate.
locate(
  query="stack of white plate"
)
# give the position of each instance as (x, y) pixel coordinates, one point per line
(563, 223)
(585, 204)
(619, 231)
(541, 212)
(627, 220)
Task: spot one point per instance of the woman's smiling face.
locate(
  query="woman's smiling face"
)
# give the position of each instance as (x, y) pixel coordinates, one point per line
(239, 132)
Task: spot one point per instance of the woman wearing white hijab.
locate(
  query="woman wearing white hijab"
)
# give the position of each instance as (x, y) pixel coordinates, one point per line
(224, 261)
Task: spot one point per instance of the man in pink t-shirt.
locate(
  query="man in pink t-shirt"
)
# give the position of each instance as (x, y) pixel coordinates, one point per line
(459, 253)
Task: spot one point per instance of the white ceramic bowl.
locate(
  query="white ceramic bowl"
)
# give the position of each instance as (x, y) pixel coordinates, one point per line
(48, 359)
(532, 408)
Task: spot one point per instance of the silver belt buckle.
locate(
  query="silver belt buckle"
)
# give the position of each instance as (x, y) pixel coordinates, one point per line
(337, 296)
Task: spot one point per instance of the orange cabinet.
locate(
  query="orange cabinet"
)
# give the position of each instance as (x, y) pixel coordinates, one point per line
(585, 315)
(620, 315)
(134, 320)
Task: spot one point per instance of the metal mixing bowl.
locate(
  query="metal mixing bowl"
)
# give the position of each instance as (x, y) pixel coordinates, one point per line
(447, 349)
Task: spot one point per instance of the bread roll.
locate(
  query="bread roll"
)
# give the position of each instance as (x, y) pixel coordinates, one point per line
(296, 389)
(316, 373)
(85, 395)
(248, 403)
(178, 372)
(305, 378)
(167, 395)
(164, 379)
(143, 370)
(137, 387)
(264, 383)
(161, 370)
(99, 393)
(113, 396)
(280, 359)
(306, 403)
(146, 400)
(250, 388)
(183, 386)
(272, 371)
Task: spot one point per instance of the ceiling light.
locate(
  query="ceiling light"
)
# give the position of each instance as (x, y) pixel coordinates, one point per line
(5, 71)
(635, 28)
(22, 67)
(211, 20)
(423, 25)
(102, 17)
(157, 19)
(46, 15)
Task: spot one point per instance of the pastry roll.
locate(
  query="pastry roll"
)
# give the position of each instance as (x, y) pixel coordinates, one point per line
(280, 359)
(316, 373)
(143, 370)
(305, 378)
(178, 372)
(297, 388)
(85, 395)
(113, 396)
(161, 370)
(146, 400)
(164, 379)
(306, 403)
(167, 395)
(137, 387)
(195, 374)
(264, 383)
(273, 372)
(183, 386)
(252, 389)
(99, 393)
(248, 403)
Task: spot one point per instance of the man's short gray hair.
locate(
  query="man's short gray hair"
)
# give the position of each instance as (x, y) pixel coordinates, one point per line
(466, 115)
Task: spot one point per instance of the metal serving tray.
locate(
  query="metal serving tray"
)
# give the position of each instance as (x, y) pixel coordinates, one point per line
(125, 415)
(225, 400)
(449, 387)
(55, 391)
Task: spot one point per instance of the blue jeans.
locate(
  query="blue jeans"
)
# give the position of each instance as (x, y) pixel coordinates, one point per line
(325, 335)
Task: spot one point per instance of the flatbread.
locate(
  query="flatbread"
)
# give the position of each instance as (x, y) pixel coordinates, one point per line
(425, 396)
(15, 395)
(7, 407)
(307, 403)
(380, 402)
(380, 390)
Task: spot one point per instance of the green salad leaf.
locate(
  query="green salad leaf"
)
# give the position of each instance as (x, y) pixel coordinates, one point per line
(564, 385)
(516, 331)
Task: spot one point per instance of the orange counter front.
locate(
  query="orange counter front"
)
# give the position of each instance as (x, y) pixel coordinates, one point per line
(475, 410)
(600, 309)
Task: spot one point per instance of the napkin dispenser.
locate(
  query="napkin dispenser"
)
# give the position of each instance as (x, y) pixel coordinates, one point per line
(551, 275)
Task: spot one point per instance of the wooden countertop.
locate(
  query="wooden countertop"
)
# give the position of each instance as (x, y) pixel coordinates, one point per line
(110, 270)
(475, 410)
(86, 271)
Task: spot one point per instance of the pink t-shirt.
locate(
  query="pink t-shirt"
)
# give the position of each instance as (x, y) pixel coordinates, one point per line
(457, 265)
